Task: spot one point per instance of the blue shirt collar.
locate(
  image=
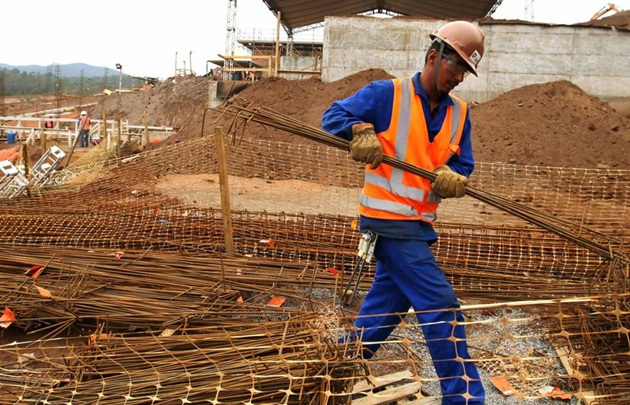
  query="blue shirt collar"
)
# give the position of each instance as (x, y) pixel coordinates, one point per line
(419, 90)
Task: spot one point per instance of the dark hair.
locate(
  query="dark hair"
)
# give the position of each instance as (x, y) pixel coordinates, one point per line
(435, 44)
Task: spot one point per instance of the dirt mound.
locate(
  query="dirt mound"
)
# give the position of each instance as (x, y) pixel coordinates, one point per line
(305, 100)
(551, 124)
(308, 99)
(175, 102)
(182, 104)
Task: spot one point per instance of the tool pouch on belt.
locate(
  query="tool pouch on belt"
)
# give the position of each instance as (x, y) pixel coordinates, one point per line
(366, 251)
(366, 245)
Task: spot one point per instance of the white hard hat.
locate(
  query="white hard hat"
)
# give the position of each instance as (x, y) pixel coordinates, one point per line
(83, 113)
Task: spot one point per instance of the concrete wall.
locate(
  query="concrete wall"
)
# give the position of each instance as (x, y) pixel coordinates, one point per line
(300, 63)
(517, 54)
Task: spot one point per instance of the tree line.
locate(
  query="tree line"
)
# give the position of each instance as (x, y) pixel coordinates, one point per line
(17, 83)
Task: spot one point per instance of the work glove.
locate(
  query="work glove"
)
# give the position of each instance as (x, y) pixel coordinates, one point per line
(365, 146)
(449, 184)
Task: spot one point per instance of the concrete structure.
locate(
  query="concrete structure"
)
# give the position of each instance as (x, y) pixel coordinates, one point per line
(517, 54)
(295, 56)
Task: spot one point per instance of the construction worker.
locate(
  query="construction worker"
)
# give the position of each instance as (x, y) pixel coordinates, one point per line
(415, 120)
(84, 129)
(49, 124)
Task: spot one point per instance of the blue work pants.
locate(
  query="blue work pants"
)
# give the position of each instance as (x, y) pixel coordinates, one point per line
(408, 275)
(84, 138)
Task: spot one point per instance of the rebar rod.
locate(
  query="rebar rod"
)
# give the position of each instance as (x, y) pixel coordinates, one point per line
(268, 117)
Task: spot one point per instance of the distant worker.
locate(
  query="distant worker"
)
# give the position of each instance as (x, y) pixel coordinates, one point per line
(84, 129)
(416, 120)
(49, 124)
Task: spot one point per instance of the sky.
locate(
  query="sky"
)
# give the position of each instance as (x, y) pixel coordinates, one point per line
(153, 39)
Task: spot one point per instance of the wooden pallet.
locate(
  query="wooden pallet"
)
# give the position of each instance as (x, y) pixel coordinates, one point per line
(397, 388)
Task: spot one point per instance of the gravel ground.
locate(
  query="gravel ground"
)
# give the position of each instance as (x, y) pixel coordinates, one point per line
(487, 340)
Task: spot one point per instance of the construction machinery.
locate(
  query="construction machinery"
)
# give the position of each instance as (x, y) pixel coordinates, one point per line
(604, 10)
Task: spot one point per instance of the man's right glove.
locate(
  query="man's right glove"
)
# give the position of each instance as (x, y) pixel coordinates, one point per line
(365, 146)
(449, 184)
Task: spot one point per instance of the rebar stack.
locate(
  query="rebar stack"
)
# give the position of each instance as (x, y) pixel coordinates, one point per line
(261, 363)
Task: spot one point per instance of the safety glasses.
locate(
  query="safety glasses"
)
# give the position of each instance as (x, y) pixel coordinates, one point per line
(456, 66)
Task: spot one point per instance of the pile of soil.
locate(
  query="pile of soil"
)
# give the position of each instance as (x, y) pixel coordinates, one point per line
(551, 124)
(548, 124)
(175, 102)
(307, 99)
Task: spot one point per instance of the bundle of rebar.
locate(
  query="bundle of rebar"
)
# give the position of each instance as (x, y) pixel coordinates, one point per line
(148, 289)
(244, 362)
(576, 233)
(166, 326)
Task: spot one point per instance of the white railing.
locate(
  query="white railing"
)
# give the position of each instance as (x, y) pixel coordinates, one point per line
(30, 129)
(315, 36)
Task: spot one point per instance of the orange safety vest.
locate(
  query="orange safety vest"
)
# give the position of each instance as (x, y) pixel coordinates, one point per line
(391, 193)
(85, 123)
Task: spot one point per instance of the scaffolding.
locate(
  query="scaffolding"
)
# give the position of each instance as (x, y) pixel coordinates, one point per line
(230, 36)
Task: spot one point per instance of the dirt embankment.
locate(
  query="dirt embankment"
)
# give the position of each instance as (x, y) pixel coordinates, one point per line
(548, 124)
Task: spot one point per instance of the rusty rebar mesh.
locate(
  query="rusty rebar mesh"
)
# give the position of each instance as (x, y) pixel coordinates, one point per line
(296, 239)
(194, 340)
(246, 114)
(480, 248)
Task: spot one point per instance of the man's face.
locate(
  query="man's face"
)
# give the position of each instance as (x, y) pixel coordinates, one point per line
(452, 72)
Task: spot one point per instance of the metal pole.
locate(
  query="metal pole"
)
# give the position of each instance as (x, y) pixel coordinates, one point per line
(118, 151)
(119, 67)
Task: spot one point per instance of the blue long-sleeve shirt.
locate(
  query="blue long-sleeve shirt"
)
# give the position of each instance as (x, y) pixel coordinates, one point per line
(373, 104)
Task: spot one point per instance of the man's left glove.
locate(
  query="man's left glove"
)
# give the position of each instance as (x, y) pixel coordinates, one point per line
(449, 184)
(365, 146)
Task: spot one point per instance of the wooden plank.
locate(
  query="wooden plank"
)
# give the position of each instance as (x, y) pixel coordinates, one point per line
(387, 390)
(303, 72)
(226, 208)
(375, 382)
(390, 393)
(422, 401)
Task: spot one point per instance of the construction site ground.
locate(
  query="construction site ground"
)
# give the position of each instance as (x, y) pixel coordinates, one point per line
(548, 130)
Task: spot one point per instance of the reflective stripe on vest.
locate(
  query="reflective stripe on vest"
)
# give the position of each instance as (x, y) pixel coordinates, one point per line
(421, 201)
